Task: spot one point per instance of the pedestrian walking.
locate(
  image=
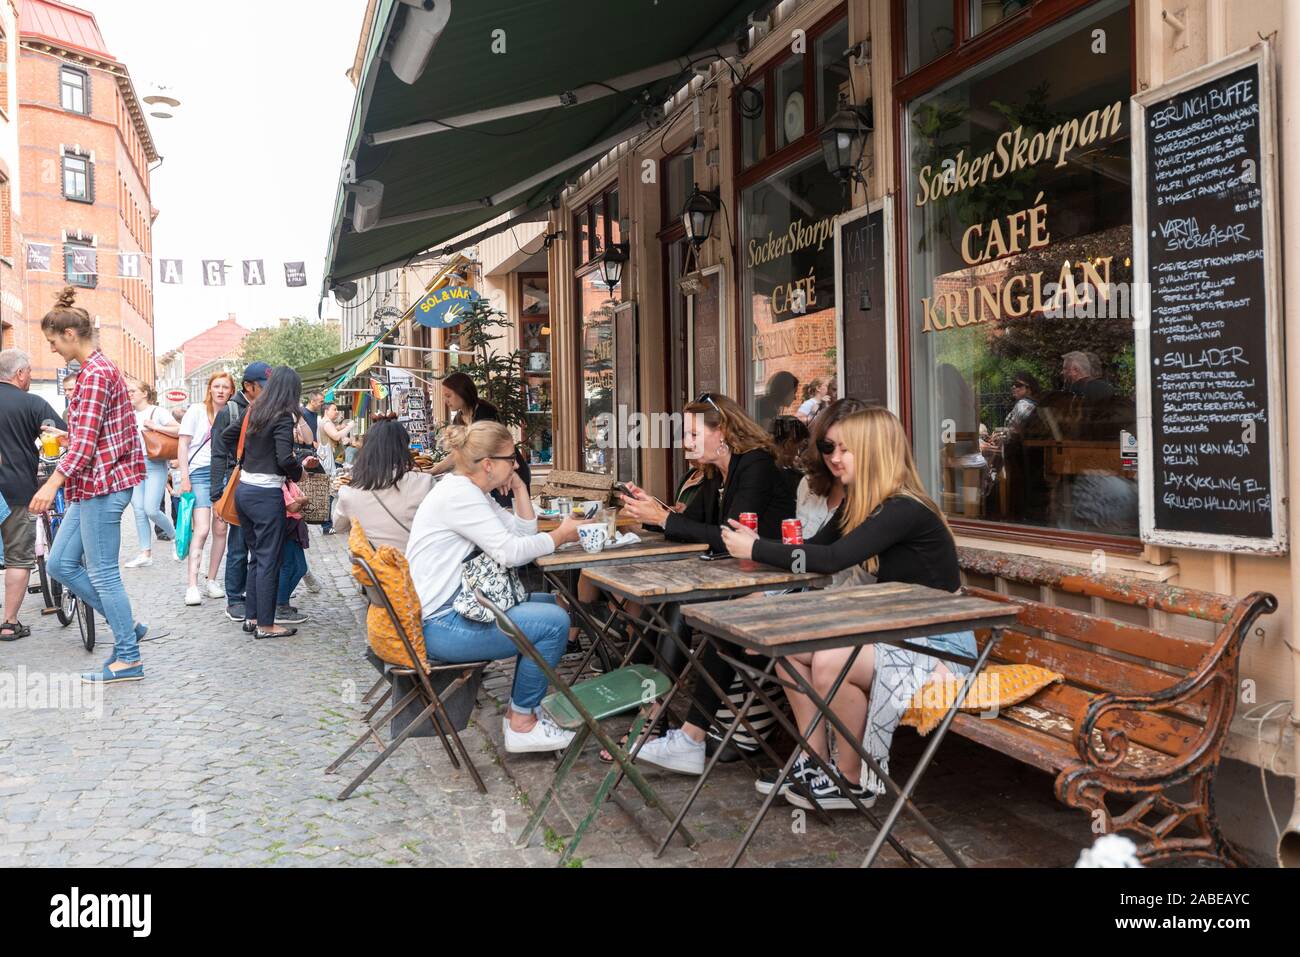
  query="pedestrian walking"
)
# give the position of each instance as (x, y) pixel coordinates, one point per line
(146, 500)
(104, 462)
(195, 456)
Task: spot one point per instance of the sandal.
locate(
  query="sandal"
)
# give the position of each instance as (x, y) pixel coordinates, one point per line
(608, 758)
(13, 630)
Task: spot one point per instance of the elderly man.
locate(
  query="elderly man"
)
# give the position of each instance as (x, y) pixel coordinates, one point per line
(21, 416)
(1080, 372)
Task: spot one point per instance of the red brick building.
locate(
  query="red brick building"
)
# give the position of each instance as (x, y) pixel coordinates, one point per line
(85, 155)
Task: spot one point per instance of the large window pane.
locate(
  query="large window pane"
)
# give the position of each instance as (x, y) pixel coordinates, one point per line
(832, 70)
(788, 285)
(1022, 341)
(929, 31)
(597, 303)
(750, 101)
(986, 13)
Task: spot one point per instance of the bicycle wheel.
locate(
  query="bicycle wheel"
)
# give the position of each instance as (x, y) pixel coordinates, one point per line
(86, 622)
(48, 584)
(67, 604)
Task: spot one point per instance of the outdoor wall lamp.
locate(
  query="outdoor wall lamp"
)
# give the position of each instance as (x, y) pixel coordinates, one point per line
(611, 265)
(843, 139)
(698, 213)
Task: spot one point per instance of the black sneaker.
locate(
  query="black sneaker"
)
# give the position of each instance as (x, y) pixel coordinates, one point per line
(288, 615)
(827, 794)
(803, 769)
(236, 612)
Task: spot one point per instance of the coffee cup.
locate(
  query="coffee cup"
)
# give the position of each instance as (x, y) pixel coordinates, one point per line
(593, 537)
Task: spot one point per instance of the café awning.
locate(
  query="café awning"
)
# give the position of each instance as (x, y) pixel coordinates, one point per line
(514, 98)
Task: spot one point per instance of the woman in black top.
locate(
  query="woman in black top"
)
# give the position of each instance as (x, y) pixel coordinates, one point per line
(268, 459)
(461, 396)
(740, 475)
(888, 523)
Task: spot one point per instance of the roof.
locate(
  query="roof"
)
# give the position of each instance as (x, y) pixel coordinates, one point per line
(61, 23)
(218, 342)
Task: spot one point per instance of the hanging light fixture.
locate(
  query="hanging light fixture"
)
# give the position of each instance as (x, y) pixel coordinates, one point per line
(611, 264)
(843, 139)
(697, 214)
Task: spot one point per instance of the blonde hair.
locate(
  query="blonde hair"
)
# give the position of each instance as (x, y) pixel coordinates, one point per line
(741, 433)
(471, 444)
(883, 466)
(207, 393)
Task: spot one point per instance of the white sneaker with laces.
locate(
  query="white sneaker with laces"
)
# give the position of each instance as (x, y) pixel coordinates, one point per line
(545, 735)
(140, 561)
(215, 590)
(674, 752)
(192, 596)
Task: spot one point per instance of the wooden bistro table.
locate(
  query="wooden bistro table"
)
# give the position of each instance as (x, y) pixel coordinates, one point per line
(888, 613)
(661, 589)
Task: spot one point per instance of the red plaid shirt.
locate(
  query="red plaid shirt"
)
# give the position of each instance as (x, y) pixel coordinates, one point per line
(104, 453)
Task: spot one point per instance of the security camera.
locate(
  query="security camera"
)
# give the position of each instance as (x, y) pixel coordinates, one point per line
(424, 23)
(367, 197)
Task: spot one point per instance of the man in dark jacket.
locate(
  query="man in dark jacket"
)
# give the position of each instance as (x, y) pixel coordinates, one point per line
(225, 442)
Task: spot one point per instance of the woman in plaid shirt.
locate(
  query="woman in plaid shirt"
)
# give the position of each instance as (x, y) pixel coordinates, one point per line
(104, 462)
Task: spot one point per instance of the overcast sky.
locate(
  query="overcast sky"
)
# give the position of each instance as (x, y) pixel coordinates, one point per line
(251, 159)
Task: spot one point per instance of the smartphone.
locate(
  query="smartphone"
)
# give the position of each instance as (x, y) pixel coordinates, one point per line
(622, 487)
(714, 556)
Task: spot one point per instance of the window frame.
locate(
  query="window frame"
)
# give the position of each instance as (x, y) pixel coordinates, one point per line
(68, 245)
(65, 71)
(89, 196)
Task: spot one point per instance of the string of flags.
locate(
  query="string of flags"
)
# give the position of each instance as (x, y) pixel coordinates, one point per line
(84, 261)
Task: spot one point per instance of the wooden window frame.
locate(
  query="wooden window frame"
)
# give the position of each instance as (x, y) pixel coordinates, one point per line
(89, 197)
(64, 69)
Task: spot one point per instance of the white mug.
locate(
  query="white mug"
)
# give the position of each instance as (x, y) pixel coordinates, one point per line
(593, 537)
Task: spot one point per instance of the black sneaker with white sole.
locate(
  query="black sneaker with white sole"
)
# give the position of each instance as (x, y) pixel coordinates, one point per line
(827, 794)
(236, 612)
(803, 768)
(289, 615)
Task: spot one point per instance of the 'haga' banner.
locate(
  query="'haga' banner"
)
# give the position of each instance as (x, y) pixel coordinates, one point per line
(171, 271)
(295, 274)
(253, 274)
(214, 272)
(39, 256)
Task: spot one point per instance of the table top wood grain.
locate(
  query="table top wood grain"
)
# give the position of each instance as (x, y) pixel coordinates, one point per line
(691, 579)
(843, 617)
(656, 549)
(624, 523)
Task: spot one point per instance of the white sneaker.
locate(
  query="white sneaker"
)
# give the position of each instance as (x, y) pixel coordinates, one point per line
(545, 735)
(140, 561)
(215, 590)
(674, 752)
(192, 596)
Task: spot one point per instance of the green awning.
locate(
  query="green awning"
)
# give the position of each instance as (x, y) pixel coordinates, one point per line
(324, 373)
(551, 46)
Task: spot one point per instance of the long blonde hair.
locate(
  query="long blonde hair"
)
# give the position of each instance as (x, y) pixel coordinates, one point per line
(883, 466)
(470, 444)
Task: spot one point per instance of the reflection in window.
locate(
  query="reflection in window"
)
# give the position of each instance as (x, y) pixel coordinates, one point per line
(986, 13)
(596, 304)
(791, 112)
(929, 26)
(832, 71)
(1023, 362)
(753, 130)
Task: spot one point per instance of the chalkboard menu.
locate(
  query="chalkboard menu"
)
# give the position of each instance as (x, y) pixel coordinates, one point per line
(863, 298)
(706, 334)
(1211, 419)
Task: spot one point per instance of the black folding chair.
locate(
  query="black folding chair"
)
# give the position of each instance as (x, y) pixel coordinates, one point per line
(422, 690)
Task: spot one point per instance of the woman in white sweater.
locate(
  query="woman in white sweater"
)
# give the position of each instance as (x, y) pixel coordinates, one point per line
(460, 518)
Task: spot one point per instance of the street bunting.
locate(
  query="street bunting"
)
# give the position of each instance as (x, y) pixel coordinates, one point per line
(253, 273)
(446, 307)
(39, 256)
(295, 274)
(170, 271)
(83, 260)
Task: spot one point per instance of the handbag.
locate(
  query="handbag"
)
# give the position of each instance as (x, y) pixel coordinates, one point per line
(225, 506)
(496, 581)
(317, 487)
(160, 446)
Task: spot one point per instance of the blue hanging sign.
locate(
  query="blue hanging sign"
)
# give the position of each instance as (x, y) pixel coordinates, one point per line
(446, 307)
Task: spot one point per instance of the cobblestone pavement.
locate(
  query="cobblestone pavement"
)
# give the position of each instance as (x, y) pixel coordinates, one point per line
(217, 759)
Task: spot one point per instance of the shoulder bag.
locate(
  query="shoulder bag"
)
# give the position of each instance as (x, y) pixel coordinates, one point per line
(159, 446)
(499, 583)
(225, 506)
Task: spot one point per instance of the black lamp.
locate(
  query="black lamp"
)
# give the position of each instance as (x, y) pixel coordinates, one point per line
(611, 264)
(843, 139)
(697, 215)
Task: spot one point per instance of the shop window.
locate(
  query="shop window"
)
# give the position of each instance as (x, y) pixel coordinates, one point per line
(74, 90)
(791, 110)
(596, 307)
(987, 13)
(1019, 245)
(930, 30)
(595, 227)
(751, 102)
(788, 285)
(679, 180)
(535, 340)
(832, 71)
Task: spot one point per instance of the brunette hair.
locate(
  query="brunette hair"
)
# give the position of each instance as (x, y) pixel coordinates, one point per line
(467, 391)
(150, 394)
(810, 390)
(741, 433)
(65, 316)
(820, 479)
(207, 393)
(471, 444)
(790, 437)
(1030, 382)
(279, 398)
(385, 458)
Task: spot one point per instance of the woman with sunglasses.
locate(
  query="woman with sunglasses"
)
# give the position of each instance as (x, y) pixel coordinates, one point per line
(736, 457)
(460, 518)
(889, 524)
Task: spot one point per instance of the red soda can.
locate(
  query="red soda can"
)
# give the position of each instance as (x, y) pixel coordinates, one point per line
(749, 520)
(792, 532)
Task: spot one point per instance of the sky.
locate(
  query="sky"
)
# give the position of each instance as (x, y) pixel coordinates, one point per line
(252, 157)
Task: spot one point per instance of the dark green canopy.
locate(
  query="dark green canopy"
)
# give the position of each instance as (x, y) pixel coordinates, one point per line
(551, 46)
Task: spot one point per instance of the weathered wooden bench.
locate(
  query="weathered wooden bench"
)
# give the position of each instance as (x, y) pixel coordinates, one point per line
(579, 486)
(1135, 733)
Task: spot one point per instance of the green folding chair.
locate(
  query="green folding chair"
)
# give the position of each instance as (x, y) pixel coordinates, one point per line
(581, 707)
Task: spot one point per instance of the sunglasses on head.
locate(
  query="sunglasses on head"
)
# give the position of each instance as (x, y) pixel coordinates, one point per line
(708, 397)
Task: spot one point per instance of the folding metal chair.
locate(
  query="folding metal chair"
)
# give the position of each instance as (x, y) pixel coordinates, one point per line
(581, 707)
(422, 690)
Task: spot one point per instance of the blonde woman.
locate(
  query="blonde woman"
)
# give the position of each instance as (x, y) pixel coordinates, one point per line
(195, 457)
(887, 521)
(459, 518)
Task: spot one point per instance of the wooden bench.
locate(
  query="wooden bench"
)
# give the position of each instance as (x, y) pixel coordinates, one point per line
(579, 486)
(1135, 733)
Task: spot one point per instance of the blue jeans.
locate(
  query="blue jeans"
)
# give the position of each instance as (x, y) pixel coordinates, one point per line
(92, 529)
(450, 637)
(146, 501)
(201, 486)
(292, 569)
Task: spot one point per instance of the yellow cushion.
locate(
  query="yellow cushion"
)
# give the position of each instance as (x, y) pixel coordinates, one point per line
(394, 575)
(998, 686)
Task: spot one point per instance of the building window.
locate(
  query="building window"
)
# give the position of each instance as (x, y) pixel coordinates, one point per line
(4, 73)
(74, 90)
(78, 178)
(596, 228)
(6, 220)
(79, 266)
(1022, 346)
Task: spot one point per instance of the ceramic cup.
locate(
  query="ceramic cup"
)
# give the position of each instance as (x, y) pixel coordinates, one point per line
(593, 537)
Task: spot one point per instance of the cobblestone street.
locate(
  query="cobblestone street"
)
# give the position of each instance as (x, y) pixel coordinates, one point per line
(216, 759)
